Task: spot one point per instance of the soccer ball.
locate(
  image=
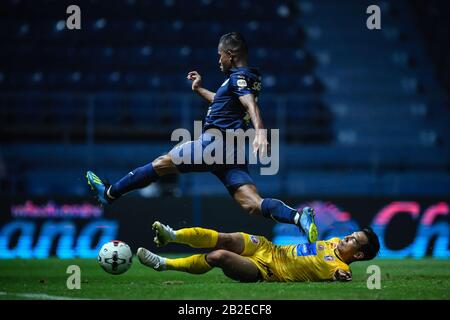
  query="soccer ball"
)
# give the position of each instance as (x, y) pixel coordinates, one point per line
(115, 257)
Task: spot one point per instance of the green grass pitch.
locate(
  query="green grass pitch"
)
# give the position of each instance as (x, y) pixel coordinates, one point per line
(46, 279)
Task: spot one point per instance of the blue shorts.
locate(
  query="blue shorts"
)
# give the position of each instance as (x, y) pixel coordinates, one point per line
(188, 157)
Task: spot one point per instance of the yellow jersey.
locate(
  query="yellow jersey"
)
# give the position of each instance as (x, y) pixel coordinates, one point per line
(302, 262)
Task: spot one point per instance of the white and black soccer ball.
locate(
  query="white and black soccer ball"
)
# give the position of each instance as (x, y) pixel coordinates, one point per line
(115, 257)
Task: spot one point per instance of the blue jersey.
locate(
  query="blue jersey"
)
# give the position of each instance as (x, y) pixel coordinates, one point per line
(226, 111)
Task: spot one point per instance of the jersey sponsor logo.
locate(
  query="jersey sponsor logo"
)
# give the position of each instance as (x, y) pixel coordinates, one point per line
(329, 258)
(306, 249)
(254, 239)
(241, 83)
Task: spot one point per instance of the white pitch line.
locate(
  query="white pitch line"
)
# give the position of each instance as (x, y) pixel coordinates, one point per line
(39, 296)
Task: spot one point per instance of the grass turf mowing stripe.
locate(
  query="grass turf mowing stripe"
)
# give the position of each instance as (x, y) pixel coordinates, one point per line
(403, 279)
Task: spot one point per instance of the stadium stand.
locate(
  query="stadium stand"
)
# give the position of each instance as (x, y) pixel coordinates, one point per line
(361, 112)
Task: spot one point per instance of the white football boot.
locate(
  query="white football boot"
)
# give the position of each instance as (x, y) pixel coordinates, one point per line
(149, 259)
(164, 234)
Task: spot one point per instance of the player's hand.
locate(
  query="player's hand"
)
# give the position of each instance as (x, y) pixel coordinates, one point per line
(341, 275)
(260, 143)
(196, 79)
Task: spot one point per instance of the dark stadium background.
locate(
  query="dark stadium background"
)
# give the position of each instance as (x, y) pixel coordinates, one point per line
(363, 116)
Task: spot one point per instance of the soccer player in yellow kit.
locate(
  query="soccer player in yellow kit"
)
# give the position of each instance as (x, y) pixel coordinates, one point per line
(251, 258)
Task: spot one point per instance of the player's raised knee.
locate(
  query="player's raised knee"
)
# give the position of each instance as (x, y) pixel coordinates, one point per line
(218, 257)
(161, 161)
(251, 207)
(164, 165)
(247, 196)
(233, 242)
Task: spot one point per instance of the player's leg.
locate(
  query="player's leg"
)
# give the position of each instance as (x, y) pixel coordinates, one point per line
(195, 264)
(181, 159)
(230, 247)
(250, 200)
(143, 176)
(194, 237)
(184, 158)
(242, 188)
(199, 238)
(234, 265)
(136, 179)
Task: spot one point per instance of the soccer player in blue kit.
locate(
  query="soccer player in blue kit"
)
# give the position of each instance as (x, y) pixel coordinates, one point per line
(232, 106)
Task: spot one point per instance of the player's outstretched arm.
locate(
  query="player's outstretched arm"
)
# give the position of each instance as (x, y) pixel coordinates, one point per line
(260, 142)
(196, 79)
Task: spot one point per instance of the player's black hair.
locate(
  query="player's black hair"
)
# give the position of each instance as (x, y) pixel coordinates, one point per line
(235, 43)
(372, 247)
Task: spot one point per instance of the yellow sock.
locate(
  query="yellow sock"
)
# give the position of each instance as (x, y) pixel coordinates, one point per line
(195, 264)
(197, 237)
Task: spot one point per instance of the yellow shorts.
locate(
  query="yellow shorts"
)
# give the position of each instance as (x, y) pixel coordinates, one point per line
(259, 251)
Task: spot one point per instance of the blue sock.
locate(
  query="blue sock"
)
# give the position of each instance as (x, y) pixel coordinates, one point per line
(136, 179)
(278, 211)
